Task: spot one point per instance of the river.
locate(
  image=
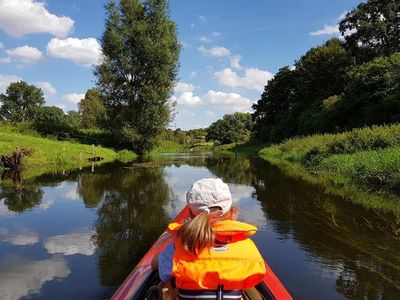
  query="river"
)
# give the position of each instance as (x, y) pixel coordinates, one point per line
(78, 235)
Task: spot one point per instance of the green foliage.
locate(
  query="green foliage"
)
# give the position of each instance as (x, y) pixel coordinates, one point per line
(20, 102)
(373, 93)
(369, 157)
(136, 78)
(125, 155)
(51, 119)
(372, 29)
(231, 128)
(92, 109)
(74, 119)
(340, 85)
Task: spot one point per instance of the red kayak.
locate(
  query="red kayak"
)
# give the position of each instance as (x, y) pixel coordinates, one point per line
(143, 276)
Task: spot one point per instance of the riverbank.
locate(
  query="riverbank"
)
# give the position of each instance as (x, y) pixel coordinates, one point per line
(365, 161)
(52, 156)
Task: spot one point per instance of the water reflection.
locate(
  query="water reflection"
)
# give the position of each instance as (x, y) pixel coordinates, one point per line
(100, 224)
(359, 246)
(20, 277)
(130, 218)
(73, 243)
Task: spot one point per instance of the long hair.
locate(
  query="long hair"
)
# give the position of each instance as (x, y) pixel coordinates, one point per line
(197, 234)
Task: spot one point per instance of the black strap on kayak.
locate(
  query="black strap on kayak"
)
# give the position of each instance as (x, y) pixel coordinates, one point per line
(220, 292)
(209, 294)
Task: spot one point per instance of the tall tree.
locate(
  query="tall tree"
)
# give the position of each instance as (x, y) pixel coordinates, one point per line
(20, 102)
(92, 109)
(373, 28)
(139, 69)
(231, 128)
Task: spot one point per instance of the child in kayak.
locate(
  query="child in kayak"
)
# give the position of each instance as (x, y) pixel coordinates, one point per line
(211, 252)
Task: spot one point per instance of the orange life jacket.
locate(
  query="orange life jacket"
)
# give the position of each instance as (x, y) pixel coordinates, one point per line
(236, 265)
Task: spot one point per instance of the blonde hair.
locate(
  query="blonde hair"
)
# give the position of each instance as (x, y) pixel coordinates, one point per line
(197, 234)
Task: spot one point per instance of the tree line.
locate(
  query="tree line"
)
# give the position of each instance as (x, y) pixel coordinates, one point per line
(345, 83)
(134, 80)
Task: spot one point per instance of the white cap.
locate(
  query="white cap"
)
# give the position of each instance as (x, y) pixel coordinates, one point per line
(209, 192)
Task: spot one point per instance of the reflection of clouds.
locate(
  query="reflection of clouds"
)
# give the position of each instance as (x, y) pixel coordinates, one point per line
(22, 238)
(69, 190)
(20, 277)
(46, 203)
(4, 211)
(70, 244)
(239, 191)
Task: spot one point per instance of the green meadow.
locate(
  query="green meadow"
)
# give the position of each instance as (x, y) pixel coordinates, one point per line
(364, 162)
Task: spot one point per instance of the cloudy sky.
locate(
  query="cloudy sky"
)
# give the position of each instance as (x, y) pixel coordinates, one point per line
(230, 49)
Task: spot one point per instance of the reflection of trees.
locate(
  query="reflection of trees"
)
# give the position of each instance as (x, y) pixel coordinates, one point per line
(91, 187)
(130, 218)
(18, 199)
(231, 168)
(359, 245)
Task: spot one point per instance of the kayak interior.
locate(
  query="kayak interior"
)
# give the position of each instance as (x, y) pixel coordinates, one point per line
(259, 292)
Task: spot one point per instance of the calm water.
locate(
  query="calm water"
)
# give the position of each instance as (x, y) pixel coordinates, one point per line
(77, 236)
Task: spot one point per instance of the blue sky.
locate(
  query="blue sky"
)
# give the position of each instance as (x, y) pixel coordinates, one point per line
(229, 48)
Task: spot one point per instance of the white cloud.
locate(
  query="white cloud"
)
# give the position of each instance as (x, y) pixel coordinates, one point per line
(210, 114)
(25, 54)
(216, 33)
(202, 19)
(5, 81)
(230, 101)
(331, 29)
(253, 79)
(73, 98)
(62, 106)
(20, 277)
(182, 87)
(47, 88)
(192, 26)
(4, 211)
(328, 29)
(1, 45)
(5, 60)
(22, 238)
(235, 62)
(215, 51)
(187, 98)
(204, 39)
(193, 74)
(70, 244)
(84, 52)
(21, 17)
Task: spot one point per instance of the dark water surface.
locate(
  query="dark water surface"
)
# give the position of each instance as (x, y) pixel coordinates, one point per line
(77, 236)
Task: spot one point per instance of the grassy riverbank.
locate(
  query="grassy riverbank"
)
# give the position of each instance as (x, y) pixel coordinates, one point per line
(365, 159)
(49, 155)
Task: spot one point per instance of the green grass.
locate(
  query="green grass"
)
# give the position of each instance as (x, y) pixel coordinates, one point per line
(49, 155)
(359, 161)
(243, 148)
(166, 146)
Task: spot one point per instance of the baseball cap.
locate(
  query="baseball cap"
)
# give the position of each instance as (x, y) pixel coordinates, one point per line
(209, 192)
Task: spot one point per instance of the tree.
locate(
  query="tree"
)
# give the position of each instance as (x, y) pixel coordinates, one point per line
(51, 119)
(373, 93)
(139, 69)
(20, 101)
(92, 109)
(74, 119)
(231, 128)
(373, 28)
